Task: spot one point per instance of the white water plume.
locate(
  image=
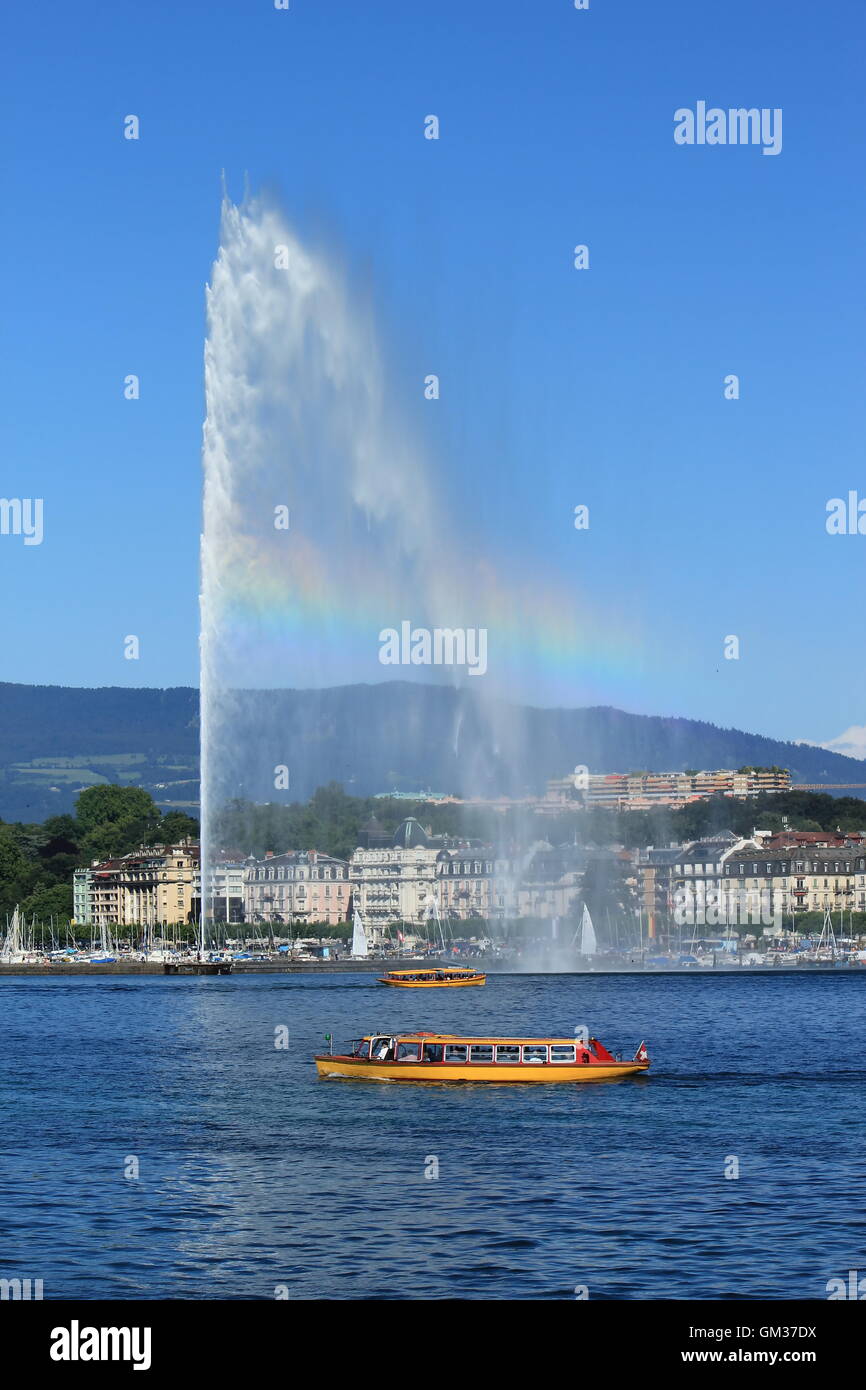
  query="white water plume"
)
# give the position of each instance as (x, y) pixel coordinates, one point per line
(320, 523)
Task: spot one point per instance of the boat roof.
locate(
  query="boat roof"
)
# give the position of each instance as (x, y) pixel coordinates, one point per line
(465, 1038)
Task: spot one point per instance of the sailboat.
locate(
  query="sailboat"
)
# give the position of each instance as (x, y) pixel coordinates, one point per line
(13, 950)
(360, 949)
(432, 914)
(826, 950)
(104, 953)
(588, 940)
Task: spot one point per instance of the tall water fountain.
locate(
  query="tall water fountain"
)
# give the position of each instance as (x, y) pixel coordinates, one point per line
(322, 527)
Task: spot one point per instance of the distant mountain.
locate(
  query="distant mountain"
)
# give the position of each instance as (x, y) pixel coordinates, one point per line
(55, 740)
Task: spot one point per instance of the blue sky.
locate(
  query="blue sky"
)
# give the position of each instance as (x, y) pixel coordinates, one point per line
(560, 387)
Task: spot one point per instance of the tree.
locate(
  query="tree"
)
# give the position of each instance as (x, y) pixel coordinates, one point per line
(116, 819)
(49, 901)
(176, 826)
(17, 873)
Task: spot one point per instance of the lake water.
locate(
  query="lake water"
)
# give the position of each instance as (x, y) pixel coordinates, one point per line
(255, 1174)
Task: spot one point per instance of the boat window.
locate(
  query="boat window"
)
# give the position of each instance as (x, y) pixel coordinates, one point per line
(432, 1052)
(507, 1052)
(456, 1052)
(563, 1052)
(535, 1053)
(407, 1052)
(362, 1048)
(481, 1052)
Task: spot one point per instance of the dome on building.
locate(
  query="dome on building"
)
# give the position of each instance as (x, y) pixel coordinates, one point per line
(410, 835)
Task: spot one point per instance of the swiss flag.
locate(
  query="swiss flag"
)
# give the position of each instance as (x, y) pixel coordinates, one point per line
(641, 1055)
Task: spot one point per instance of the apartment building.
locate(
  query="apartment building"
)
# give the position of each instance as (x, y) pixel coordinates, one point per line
(82, 896)
(156, 886)
(691, 872)
(641, 791)
(394, 879)
(397, 880)
(226, 893)
(297, 887)
(798, 879)
(545, 882)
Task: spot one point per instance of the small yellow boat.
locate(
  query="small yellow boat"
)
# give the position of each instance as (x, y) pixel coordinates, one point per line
(452, 1057)
(443, 976)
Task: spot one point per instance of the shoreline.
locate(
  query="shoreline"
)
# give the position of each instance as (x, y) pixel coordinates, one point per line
(358, 967)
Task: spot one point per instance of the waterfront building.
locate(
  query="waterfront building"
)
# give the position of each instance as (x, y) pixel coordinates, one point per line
(394, 877)
(677, 873)
(700, 864)
(82, 908)
(796, 880)
(297, 887)
(465, 884)
(721, 881)
(655, 873)
(545, 883)
(226, 894)
(155, 886)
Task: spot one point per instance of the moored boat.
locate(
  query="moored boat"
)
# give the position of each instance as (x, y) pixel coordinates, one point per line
(443, 975)
(453, 1057)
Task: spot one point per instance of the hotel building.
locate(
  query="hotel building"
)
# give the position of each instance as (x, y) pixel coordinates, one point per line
(295, 888)
(150, 887)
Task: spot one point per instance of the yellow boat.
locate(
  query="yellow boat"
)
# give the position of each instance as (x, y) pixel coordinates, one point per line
(444, 976)
(453, 1057)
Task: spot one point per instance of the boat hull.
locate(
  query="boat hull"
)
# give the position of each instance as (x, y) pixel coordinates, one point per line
(543, 1072)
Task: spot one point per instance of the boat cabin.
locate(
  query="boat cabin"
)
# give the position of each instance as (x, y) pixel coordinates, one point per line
(434, 1050)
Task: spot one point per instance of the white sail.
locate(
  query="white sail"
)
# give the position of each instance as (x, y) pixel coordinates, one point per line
(12, 944)
(432, 914)
(588, 942)
(15, 949)
(359, 936)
